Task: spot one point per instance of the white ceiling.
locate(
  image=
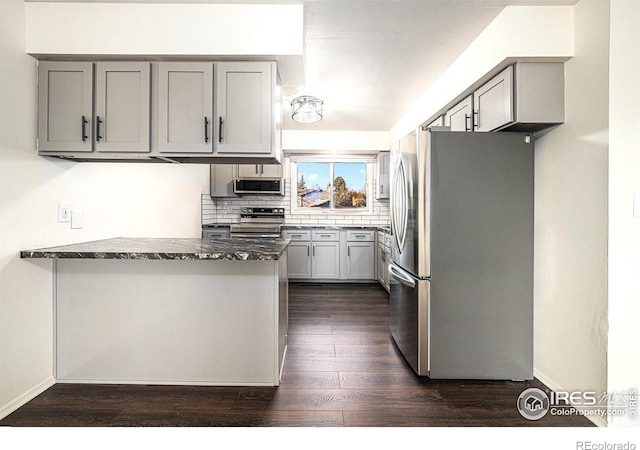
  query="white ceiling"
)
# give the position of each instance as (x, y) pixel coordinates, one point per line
(369, 60)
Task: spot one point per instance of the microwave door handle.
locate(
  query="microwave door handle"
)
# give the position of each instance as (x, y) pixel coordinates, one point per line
(401, 276)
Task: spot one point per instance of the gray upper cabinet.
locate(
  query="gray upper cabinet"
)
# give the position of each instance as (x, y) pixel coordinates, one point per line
(221, 180)
(65, 106)
(244, 107)
(438, 122)
(460, 117)
(259, 171)
(123, 91)
(185, 107)
(528, 96)
(382, 163)
(494, 102)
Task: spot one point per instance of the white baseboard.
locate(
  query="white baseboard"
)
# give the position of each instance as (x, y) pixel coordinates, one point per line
(597, 420)
(26, 397)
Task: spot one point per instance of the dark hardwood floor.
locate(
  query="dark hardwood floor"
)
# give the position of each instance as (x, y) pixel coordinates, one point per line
(342, 369)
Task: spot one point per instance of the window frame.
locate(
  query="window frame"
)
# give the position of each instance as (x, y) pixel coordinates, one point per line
(331, 210)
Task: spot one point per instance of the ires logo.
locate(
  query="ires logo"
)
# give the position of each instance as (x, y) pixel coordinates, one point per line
(534, 403)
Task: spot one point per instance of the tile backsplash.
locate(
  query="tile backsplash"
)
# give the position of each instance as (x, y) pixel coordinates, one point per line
(227, 210)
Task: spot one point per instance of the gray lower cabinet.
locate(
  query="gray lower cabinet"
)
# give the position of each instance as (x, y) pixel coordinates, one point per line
(361, 255)
(360, 260)
(185, 107)
(299, 260)
(325, 260)
(65, 106)
(123, 106)
(383, 256)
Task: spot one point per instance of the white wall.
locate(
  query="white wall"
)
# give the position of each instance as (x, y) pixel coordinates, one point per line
(624, 180)
(157, 29)
(157, 200)
(571, 218)
(335, 141)
(526, 33)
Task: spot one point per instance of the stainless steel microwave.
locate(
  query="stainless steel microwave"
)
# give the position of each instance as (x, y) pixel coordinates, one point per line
(272, 186)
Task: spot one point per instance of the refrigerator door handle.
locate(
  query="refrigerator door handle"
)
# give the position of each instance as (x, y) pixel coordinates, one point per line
(400, 275)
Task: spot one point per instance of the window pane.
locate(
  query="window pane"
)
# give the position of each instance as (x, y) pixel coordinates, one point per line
(350, 185)
(313, 185)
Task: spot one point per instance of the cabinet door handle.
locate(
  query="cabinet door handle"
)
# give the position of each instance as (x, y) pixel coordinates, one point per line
(206, 130)
(348, 250)
(314, 251)
(307, 251)
(467, 122)
(220, 122)
(382, 188)
(475, 119)
(98, 122)
(84, 130)
(257, 171)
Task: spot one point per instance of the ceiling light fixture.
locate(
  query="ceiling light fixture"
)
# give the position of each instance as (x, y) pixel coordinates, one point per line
(306, 109)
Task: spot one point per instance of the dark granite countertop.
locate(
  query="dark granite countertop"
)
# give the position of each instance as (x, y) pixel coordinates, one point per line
(168, 248)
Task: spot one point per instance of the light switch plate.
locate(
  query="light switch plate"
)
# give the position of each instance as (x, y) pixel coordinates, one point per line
(636, 205)
(64, 212)
(76, 218)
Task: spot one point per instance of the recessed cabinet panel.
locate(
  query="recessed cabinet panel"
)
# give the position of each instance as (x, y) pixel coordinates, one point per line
(65, 102)
(361, 260)
(326, 260)
(493, 102)
(460, 117)
(122, 107)
(299, 260)
(382, 162)
(244, 100)
(185, 107)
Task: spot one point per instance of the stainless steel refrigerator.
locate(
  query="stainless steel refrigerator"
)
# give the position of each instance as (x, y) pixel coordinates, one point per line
(461, 302)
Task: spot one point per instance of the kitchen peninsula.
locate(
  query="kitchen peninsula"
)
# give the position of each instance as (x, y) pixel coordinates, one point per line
(169, 311)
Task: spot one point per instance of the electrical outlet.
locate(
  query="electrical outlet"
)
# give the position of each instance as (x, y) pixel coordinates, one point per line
(64, 212)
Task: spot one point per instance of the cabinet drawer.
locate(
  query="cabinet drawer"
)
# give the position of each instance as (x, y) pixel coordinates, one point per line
(360, 235)
(297, 235)
(215, 233)
(325, 235)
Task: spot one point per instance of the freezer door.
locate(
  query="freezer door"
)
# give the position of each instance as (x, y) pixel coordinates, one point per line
(409, 317)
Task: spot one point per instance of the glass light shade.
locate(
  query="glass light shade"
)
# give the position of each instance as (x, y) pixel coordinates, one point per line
(306, 109)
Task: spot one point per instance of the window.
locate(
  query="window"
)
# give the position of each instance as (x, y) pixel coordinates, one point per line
(339, 185)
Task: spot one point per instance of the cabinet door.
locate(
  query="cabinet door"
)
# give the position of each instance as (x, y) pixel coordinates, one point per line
(271, 170)
(439, 122)
(249, 170)
(221, 180)
(185, 107)
(299, 260)
(244, 97)
(360, 260)
(493, 102)
(65, 102)
(383, 175)
(122, 106)
(460, 117)
(326, 260)
(381, 266)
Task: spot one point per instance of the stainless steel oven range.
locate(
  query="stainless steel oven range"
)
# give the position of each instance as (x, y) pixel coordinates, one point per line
(258, 223)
